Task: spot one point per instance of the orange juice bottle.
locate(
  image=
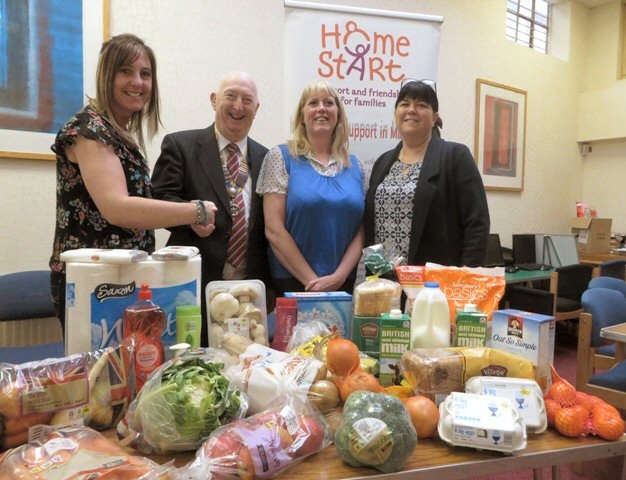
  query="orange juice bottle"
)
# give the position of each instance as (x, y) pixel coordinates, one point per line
(143, 324)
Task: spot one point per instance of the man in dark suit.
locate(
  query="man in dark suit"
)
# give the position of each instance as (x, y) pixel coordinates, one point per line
(195, 164)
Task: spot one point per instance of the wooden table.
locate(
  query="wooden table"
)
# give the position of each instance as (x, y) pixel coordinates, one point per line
(617, 333)
(436, 460)
(597, 258)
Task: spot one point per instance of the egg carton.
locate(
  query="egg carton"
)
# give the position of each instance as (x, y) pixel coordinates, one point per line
(525, 393)
(482, 422)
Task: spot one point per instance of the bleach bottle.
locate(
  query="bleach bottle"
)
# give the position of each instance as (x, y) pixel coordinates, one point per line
(430, 319)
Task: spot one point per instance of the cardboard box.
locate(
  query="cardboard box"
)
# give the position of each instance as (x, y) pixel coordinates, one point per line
(365, 334)
(528, 335)
(332, 308)
(395, 339)
(593, 234)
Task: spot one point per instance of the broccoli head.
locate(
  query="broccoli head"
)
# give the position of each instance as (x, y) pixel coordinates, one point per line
(375, 431)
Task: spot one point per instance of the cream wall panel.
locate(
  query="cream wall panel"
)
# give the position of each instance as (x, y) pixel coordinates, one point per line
(198, 40)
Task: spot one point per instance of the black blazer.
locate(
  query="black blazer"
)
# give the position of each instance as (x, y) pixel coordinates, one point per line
(188, 168)
(450, 223)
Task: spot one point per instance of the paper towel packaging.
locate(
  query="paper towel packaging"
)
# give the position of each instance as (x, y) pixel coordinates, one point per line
(97, 292)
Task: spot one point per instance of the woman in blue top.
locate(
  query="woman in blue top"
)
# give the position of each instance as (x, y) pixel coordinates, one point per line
(313, 199)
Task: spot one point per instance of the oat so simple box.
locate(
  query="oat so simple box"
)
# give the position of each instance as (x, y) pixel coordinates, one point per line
(528, 335)
(332, 308)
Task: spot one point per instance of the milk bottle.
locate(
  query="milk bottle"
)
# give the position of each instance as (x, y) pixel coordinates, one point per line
(430, 319)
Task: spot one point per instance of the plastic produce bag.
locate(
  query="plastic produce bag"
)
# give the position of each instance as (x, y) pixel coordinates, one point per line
(377, 295)
(76, 453)
(375, 431)
(262, 445)
(182, 402)
(83, 389)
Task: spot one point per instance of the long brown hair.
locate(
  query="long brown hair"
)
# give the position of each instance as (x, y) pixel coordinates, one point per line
(299, 143)
(122, 50)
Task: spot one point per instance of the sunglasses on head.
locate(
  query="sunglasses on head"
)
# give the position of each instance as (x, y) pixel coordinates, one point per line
(431, 83)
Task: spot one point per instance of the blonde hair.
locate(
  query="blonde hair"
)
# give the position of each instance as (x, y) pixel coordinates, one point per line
(122, 50)
(299, 143)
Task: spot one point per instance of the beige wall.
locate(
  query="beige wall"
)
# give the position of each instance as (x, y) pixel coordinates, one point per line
(197, 40)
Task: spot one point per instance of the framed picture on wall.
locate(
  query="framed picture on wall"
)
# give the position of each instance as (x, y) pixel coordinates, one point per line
(51, 53)
(500, 135)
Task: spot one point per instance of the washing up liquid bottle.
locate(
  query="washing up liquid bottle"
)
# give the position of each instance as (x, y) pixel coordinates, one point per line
(430, 319)
(144, 323)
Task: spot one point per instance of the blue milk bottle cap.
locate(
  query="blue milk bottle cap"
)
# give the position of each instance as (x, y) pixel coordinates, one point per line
(431, 284)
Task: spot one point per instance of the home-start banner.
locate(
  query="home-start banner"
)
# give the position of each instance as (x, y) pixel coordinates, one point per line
(365, 54)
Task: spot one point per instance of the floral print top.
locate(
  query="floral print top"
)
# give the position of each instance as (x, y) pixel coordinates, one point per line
(79, 223)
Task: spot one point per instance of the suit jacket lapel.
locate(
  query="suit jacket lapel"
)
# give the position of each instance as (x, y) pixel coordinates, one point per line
(211, 164)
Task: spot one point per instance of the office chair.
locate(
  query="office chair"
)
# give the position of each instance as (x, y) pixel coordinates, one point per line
(29, 329)
(495, 253)
(609, 282)
(562, 301)
(613, 268)
(597, 372)
(523, 247)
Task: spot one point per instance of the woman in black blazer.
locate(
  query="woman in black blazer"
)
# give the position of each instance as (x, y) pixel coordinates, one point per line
(426, 200)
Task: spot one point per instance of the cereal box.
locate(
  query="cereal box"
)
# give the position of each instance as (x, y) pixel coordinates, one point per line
(332, 308)
(528, 335)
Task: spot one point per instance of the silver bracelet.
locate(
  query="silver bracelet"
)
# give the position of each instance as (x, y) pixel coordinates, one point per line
(202, 216)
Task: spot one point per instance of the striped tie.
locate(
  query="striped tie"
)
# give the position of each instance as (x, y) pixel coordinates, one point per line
(238, 242)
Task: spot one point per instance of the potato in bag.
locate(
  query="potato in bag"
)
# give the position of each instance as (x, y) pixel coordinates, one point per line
(88, 389)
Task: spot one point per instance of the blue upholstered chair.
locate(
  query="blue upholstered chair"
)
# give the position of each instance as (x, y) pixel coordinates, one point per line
(608, 282)
(613, 268)
(597, 372)
(26, 308)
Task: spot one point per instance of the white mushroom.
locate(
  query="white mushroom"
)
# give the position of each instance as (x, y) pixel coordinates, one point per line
(215, 291)
(251, 314)
(223, 306)
(217, 336)
(246, 294)
(257, 332)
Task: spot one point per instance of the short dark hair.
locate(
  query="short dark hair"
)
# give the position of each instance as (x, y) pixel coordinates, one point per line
(421, 91)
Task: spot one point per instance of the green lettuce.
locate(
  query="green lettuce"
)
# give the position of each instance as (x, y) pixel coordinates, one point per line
(191, 400)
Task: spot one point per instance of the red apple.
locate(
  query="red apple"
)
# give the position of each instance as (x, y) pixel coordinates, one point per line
(309, 438)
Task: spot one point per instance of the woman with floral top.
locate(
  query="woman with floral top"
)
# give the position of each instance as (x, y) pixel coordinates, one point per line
(103, 183)
(313, 199)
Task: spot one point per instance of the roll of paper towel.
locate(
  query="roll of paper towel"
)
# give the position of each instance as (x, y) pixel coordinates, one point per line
(98, 293)
(149, 271)
(86, 285)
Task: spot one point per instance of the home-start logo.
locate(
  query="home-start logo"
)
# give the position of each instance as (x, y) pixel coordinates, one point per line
(347, 50)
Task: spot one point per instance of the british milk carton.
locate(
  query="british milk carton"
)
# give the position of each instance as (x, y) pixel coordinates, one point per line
(395, 339)
(528, 335)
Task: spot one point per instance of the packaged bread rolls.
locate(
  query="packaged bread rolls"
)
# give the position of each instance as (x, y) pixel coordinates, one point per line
(437, 372)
